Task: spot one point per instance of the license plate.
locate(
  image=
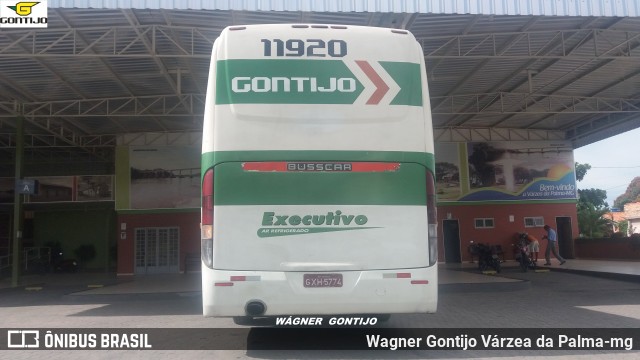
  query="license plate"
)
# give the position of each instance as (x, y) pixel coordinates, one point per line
(322, 280)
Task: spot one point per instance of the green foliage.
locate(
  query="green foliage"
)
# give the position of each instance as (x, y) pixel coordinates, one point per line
(591, 208)
(596, 197)
(581, 170)
(623, 227)
(631, 195)
(591, 221)
(618, 235)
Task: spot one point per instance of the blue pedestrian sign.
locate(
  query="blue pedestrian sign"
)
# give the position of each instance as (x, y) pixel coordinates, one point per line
(27, 186)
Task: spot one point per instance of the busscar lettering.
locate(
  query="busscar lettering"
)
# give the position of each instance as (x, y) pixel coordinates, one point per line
(319, 166)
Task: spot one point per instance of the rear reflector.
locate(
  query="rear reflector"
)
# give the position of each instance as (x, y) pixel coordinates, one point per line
(396, 276)
(419, 282)
(320, 166)
(206, 220)
(244, 278)
(432, 218)
(223, 284)
(207, 198)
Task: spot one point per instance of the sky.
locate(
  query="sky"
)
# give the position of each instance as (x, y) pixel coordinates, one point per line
(614, 163)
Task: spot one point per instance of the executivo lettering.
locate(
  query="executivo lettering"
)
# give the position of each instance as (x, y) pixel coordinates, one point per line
(282, 225)
(337, 218)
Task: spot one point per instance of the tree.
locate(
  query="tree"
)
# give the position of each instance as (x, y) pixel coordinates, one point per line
(623, 227)
(596, 197)
(592, 206)
(581, 170)
(631, 195)
(591, 220)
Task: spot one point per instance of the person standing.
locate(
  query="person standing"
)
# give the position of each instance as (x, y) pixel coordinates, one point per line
(534, 247)
(552, 242)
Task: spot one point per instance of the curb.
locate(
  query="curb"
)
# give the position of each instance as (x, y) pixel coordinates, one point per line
(110, 298)
(600, 274)
(484, 287)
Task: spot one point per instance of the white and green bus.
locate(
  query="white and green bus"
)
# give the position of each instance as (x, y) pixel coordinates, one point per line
(318, 174)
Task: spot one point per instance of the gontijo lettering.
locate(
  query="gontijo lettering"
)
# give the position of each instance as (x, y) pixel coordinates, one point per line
(242, 84)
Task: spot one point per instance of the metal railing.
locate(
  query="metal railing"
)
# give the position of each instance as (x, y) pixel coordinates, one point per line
(38, 255)
(32, 257)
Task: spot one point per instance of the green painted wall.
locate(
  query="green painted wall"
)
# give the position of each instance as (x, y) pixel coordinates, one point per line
(73, 228)
(122, 178)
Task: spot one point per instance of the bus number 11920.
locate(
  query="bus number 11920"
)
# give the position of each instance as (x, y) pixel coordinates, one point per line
(309, 47)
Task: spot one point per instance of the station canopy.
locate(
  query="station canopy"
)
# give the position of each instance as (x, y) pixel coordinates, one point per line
(97, 75)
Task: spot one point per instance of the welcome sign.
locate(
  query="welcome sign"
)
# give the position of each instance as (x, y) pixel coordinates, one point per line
(510, 171)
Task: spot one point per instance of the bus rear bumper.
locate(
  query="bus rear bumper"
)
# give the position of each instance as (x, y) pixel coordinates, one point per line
(239, 293)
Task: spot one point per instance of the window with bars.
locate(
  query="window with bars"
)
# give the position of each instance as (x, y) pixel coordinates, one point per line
(483, 223)
(534, 221)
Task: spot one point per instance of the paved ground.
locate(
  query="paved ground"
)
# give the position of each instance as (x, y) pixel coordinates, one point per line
(542, 300)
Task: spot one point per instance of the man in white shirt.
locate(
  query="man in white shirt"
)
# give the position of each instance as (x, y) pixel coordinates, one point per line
(552, 242)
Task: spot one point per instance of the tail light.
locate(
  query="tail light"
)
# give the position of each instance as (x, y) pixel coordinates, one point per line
(206, 220)
(432, 219)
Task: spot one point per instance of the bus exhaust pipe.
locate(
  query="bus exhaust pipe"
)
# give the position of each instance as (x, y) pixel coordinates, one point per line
(255, 308)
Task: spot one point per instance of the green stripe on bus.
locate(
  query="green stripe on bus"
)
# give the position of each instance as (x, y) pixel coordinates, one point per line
(234, 186)
(407, 76)
(296, 81)
(285, 82)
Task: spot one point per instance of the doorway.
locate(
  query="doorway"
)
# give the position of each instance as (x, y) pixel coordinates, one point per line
(565, 236)
(451, 233)
(157, 250)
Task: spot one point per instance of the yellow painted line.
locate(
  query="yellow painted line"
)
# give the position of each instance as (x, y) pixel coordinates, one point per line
(489, 272)
(541, 270)
(33, 288)
(95, 286)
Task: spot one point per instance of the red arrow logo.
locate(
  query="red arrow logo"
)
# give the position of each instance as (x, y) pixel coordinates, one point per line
(381, 87)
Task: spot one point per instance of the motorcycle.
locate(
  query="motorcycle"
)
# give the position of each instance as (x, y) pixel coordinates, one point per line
(522, 255)
(58, 262)
(487, 257)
